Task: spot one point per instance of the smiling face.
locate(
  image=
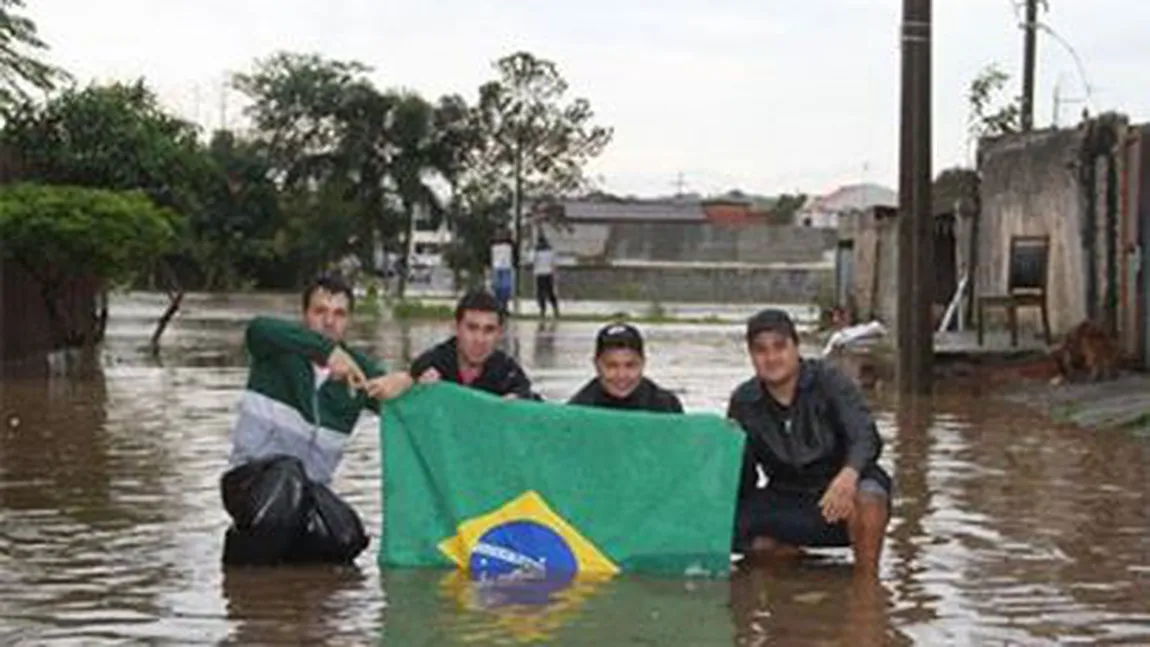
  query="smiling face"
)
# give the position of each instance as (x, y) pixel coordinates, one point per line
(620, 371)
(775, 357)
(327, 313)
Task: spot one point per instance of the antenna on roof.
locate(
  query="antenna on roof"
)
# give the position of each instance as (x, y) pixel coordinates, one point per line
(679, 184)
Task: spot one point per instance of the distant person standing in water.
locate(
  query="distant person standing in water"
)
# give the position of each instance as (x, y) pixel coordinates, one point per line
(502, 268)
(544, 267)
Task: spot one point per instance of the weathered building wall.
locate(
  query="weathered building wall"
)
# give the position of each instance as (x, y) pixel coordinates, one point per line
(1030, 186)
(700, 242)
(874, 235)
(704, 284)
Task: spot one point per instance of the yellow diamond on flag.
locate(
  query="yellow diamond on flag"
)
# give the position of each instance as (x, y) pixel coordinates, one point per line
(524, 538)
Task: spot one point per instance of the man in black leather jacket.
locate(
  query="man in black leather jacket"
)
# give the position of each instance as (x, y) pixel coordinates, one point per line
(811, 432)
(471, 357)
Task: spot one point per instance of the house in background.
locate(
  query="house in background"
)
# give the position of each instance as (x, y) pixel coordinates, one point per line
(681, 250)
(846, 201)
(680, 231)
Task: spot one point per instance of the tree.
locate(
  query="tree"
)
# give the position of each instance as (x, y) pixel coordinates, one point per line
(235, 231)
(20, 66)
(786, 206)
(300, 105)
(118, 137)
(535, 142)
(61, 233)
(113, 136)
(987, 120)
(327, 130)
(956, 189)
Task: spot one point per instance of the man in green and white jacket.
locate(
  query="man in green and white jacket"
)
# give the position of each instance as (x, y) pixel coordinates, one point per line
(305, 393)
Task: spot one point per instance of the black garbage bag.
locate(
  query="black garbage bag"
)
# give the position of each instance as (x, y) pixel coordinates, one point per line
(268, 501)
(280, 516)
(332, 531)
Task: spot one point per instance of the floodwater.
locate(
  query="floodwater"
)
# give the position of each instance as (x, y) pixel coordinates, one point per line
(1005, 530)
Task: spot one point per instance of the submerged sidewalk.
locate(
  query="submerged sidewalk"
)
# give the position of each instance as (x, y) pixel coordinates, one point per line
(1119, 404)
(1020, 374)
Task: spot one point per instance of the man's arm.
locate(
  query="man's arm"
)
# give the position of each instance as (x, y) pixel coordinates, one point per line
(268, 336)
(516, 382)
(425, 361)
(854, 418)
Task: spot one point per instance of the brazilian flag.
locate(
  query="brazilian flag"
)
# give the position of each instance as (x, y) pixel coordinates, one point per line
(539, 491)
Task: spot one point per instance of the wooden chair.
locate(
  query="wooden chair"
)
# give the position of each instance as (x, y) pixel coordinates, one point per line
(1026, 285)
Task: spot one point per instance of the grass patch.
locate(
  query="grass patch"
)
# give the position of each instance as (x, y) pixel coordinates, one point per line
(415, 310)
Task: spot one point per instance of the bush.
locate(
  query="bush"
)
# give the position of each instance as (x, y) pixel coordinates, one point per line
(61, 231)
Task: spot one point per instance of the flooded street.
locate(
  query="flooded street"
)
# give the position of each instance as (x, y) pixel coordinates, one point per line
(1005, 530)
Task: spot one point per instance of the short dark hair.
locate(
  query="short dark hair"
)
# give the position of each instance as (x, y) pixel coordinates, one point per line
(332, 283)
(479, 301)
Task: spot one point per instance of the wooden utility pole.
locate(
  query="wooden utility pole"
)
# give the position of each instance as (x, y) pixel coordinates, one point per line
(915, 223)
(1028, 61)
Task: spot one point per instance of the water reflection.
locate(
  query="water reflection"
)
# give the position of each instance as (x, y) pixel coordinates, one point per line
(295, 605)
(806, 604)
(434, 608)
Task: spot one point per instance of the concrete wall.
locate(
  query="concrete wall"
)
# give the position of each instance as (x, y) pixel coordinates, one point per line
(875, 279)
(701, 242)
(1030, 186)
(673, 283)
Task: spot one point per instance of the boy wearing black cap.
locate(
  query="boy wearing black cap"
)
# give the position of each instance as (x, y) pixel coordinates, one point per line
(810, 430)
(619, 381)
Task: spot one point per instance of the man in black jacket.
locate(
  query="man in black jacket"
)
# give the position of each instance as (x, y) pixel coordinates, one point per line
(471, 358)
(810, 431)
(619, 381)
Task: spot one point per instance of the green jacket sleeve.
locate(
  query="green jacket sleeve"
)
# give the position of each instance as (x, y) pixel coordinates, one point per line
(267, 336)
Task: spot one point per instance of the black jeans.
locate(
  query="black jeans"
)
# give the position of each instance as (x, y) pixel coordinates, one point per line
(544, 292)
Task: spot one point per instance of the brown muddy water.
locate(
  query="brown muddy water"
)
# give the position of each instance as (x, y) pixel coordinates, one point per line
(1006, 529)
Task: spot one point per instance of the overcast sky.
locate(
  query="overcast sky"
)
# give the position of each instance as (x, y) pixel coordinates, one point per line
(764, 95)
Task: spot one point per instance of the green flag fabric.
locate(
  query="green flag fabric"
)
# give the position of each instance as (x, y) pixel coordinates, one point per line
(521, 489)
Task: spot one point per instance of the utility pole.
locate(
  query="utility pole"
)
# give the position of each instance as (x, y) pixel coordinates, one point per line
(1028, 56)
(517, 245)
(915, 219)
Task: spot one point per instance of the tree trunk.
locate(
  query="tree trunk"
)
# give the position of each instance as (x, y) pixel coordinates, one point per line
(175, 299)
(408, 234)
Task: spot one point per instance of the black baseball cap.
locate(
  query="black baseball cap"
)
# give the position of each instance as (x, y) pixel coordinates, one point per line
(771, 320)
(618, 335)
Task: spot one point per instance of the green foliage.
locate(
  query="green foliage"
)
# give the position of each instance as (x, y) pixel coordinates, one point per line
(21, 68)
(332, 164)
(987, 117)
(60, 231)
(956, 187)
(786, 206)
(416, 310)
(114, 136)
(531, 133)
(301, 107)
